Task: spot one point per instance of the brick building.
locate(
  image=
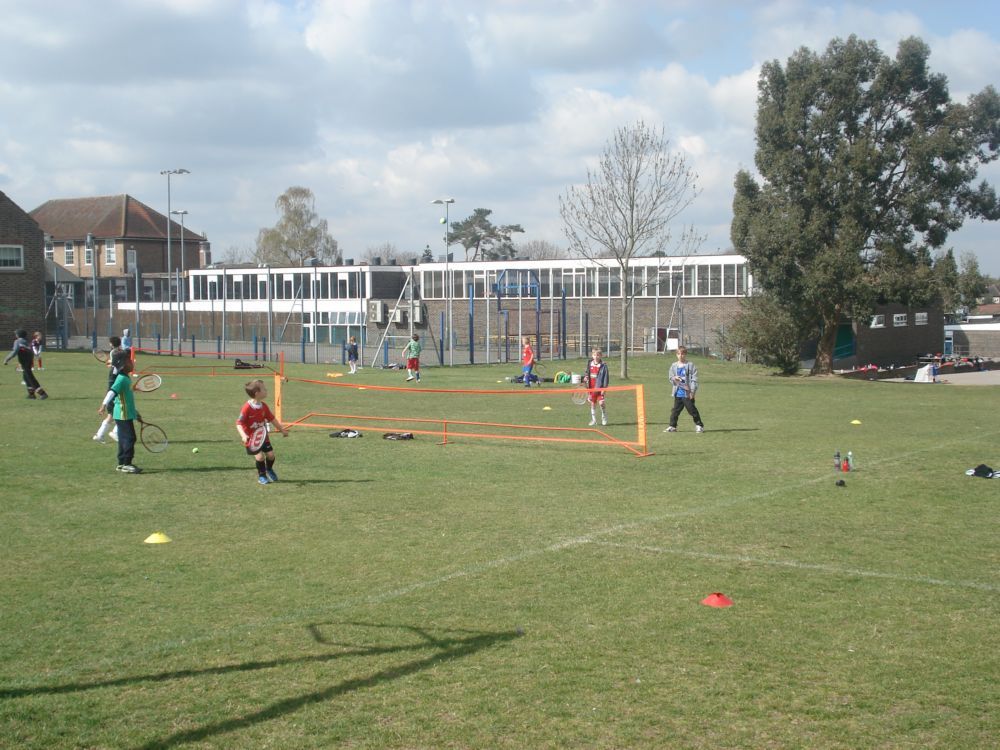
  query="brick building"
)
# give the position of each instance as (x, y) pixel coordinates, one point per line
(22, 270)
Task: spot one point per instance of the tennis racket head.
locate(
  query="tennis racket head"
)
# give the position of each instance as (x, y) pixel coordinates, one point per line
(257, 439)
(147, 383)
(579, 397)
(102, 356)
(153, 438)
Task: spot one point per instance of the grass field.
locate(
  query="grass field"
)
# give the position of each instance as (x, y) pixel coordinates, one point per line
(490, 594)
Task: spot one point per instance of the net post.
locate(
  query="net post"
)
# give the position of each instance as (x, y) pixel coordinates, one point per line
(640, 417)
(277, 398)
(444, 423)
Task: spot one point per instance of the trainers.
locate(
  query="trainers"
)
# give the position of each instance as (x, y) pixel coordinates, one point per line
(43, 395)
(604, 421)
(114, 435)
(592, 422)
(409, 379)
(31, 395)
(98, 439)
(129, 469)
(671, 429)
(119, 467)
(271, 475)
(261, 479)
(700, 428)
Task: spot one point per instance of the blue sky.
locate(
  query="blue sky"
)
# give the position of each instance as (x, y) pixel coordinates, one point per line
(379, 107)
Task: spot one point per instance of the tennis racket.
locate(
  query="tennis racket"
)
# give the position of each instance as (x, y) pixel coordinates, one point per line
(101, 356)
(257, 439)
(147, 383)
(152, 437)
(579, 397)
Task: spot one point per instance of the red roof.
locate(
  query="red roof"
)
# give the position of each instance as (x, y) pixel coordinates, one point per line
(106, 217)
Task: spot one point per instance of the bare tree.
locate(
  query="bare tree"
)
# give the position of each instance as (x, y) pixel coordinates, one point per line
(539, 250)
(626, 208)
(299, 233)
(386, 251)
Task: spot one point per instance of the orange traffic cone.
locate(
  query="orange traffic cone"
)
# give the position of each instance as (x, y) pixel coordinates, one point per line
(717, 599)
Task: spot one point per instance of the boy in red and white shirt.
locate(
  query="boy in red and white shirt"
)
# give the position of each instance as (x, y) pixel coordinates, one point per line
(527, 361)
(254, 415)
(596, 377)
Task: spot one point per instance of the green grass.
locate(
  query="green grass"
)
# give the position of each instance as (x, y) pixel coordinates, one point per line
(504, 595)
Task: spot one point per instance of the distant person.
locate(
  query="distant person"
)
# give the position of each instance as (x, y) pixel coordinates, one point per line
(352, 354)
(25, 357)
(596, 377)
(527, 361)
(124, 413)
(684, 385)
(411, 352)
(37, 347)
(126, 339)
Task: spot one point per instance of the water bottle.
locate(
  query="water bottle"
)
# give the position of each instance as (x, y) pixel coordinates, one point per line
(836, 461)
(844, 466)
(850, 461)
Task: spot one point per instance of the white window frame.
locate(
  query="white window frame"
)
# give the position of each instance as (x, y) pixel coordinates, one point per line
(920, 319)
(878, 321)
(900, 320)
(88, 256)
(16, 253)
(110, 253)
(50, 251)
(69, 254)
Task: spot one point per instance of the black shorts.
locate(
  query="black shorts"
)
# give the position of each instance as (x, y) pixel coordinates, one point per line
(265, 448)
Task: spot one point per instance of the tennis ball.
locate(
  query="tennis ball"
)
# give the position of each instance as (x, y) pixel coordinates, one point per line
(442, 220)
(194, 450)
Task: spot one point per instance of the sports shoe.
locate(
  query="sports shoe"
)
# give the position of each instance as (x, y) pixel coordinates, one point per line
(98, 439)
(31, 395)
(592, 422)
(700, 428)
(671, 429)
(119, 467)
(130, 469)
(604, 420)
(409, 379)
(271, 475)
(114, 435)
(261, 479)
(42, 395)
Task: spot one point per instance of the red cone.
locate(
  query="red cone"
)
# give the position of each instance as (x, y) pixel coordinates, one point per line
(717, 599)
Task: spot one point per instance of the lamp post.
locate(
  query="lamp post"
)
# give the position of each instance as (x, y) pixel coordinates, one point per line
(181, 296)
(93, 266)
(170, 262)
(446, 202)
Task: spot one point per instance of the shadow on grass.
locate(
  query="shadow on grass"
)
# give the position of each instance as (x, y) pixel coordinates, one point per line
(447, 648)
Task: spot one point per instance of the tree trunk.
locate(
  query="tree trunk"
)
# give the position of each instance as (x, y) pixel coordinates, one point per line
(624, 334)
(827, 341)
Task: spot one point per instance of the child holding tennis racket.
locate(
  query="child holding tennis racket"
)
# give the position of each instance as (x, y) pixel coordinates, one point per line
(37, 347)
(596, 377)
(120, 394)
(684, 385)
(527, 361)
(252, 424)
(25, 357)
(109, 423)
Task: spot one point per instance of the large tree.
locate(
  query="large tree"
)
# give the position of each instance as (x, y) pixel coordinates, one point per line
(865, 166)
(486, 241)
(299, 234)
(627, 207)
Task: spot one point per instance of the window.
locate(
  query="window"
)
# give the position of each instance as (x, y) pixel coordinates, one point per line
(70, 252)
(899, 320)
(110, 254)
(878, 321)
(50, 253)
(11, 258)
(920, 319)
(88, 256)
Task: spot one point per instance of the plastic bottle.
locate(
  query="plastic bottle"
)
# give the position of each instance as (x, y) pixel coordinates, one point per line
(836, 461)
(850, 461)
(845, 466)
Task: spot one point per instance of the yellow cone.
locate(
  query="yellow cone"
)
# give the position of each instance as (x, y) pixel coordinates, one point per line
(158, 538)
(855, 421)
(546, 408)
(335, 374)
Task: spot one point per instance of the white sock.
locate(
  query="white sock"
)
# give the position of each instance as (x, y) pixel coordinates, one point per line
(102, 430)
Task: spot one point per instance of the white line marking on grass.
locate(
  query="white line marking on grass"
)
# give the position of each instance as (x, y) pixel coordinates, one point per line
(817, 567)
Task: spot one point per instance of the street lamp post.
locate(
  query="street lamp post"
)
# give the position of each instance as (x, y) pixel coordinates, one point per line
(170, 262)
(93, 267)
(181, 296)
(446, 202)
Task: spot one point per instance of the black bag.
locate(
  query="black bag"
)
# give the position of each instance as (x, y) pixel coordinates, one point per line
(346, 433)
(398, 436)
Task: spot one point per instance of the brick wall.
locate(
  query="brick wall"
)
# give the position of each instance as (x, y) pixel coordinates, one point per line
(22, 292)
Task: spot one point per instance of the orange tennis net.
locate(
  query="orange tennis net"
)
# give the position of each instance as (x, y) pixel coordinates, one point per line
(540, 415)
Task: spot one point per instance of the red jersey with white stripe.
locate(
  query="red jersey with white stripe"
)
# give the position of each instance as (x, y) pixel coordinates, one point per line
(254, 415)
(527, 356)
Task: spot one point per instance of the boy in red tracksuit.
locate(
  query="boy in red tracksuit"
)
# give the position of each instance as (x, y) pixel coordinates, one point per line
(596, 377)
